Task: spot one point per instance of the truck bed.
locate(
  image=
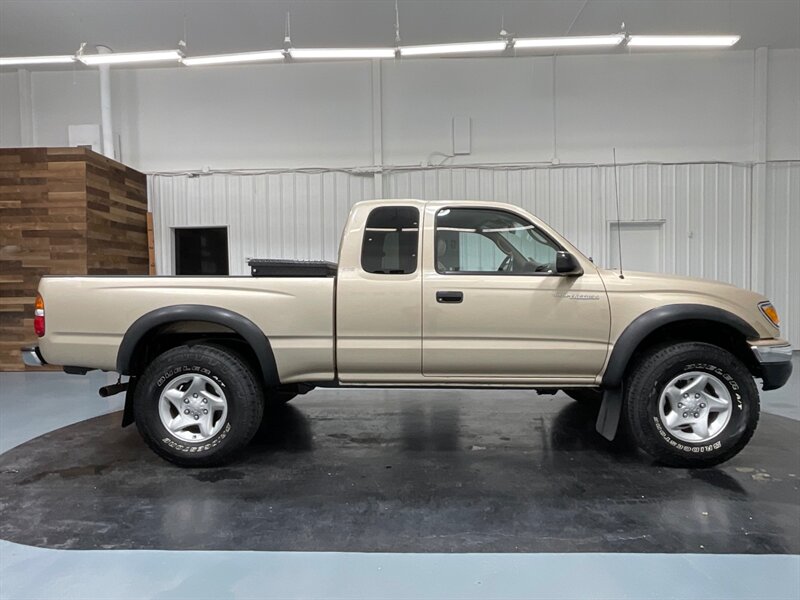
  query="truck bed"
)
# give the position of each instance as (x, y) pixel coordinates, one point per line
(87, 317)
(260, 267)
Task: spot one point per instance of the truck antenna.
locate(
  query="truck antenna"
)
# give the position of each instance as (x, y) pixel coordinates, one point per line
(619, 223)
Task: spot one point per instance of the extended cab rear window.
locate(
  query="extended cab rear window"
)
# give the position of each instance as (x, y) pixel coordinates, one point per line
(390, 240)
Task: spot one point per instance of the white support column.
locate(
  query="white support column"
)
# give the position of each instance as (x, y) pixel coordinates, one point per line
(105, 106)
(554, 100)
(758, 199)
(760, 104)
(25, 108)
(377, 127)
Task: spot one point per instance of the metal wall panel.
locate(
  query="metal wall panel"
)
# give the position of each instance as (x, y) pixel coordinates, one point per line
(705, 207)
(781, 253)
(706, 210)
(287, 215)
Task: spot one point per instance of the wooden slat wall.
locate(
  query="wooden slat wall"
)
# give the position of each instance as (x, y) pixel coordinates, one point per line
(63, 211)
(116, 202)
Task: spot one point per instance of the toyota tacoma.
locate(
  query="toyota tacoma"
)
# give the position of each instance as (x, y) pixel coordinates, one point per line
(425, 294)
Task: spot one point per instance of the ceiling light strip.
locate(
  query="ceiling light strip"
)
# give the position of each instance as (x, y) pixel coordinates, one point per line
(569, 42)
(340, 53)
(487, 47)
(119, 58)
(12, 61)
(448, 49)
(229, 59)
(683, 41)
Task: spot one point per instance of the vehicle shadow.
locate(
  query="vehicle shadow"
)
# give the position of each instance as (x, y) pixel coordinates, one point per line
(283, 428)
(573, 428)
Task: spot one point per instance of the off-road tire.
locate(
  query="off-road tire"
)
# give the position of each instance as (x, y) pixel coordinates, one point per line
(647, 380)
(242, 390)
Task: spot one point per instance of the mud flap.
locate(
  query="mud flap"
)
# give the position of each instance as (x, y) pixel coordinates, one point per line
(127, 412)
(610, 410)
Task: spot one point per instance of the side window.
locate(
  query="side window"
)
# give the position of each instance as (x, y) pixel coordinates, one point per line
(479, 240)
(391, 239)
(466, 251)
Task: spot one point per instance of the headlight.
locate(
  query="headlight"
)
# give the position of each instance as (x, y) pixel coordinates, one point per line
(769, 311)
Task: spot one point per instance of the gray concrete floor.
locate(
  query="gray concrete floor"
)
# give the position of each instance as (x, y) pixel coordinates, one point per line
(33, 404)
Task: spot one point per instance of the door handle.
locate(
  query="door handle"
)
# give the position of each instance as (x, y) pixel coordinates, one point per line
(449, 297)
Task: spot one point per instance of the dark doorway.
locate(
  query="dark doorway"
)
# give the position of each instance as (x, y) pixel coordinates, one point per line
(201, 251)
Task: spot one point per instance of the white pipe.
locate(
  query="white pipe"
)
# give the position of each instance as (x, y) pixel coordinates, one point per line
(25, 108)
(105, 106)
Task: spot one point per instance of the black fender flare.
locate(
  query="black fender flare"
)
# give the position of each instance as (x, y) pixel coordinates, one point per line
(632, 336)
(251, 333)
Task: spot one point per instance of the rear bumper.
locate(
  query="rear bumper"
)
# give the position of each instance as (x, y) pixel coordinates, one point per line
(775, 364)
(32, 357)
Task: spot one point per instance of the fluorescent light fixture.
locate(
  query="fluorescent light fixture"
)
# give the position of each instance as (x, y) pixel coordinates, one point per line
(463, 48)
(119, 58)
(685, 41)
(569, 42)
(326, 53)
(12, 61)
(227, 59)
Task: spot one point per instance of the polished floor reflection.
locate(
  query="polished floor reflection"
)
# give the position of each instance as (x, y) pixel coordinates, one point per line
(405, 471)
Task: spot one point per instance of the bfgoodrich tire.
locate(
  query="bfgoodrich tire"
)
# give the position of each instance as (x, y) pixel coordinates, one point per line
(197, 406)
(691, 404)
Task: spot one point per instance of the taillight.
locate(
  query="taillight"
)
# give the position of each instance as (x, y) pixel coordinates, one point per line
(38, 316)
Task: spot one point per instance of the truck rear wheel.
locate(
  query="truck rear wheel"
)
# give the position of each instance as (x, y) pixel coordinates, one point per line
(691, 405)
(197, 406)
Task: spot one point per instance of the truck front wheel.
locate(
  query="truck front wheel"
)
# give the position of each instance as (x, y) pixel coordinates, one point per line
(691, 404)
(197, 406)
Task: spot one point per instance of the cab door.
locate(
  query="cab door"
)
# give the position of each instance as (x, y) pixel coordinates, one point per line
(378, 295)
(494, 307)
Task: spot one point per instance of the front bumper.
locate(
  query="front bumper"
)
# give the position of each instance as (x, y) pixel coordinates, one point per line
(775, 364)
(32, 357)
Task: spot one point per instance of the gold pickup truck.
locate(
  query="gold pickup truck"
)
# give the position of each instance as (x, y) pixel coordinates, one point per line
(425, 294)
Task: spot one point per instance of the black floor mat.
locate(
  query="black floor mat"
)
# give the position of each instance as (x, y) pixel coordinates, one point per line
(404, 472)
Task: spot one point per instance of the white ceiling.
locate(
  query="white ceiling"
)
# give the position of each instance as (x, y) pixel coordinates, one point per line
(41, 27)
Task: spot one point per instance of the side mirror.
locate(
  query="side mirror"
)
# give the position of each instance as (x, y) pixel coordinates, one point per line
(567, 264)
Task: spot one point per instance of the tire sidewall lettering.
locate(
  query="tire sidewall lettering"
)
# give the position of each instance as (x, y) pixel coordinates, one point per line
(685, 446)
(173, 372)
(204, 447)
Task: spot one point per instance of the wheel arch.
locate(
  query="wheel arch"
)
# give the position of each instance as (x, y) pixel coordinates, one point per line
(142, 331)
(680, 317)
(681, 322)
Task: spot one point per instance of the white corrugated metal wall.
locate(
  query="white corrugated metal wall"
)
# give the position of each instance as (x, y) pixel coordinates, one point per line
(781, 243)
(705, 206)
(706, 209)
(286, 215)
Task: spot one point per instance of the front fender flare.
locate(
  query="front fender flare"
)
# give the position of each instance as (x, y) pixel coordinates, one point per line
(635, 333)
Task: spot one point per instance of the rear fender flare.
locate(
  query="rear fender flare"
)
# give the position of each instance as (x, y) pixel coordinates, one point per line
(243, 326)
